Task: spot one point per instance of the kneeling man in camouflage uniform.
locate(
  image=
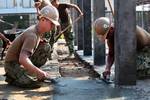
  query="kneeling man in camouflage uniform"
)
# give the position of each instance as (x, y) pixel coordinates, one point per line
(20, 71)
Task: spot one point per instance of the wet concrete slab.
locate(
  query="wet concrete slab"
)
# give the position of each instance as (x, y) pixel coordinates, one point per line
(75, 88)
(85, 89)
(141, 91)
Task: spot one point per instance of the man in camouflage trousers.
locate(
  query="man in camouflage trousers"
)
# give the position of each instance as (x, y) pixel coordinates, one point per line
(44, 49)
(20, 71)
(65, 21)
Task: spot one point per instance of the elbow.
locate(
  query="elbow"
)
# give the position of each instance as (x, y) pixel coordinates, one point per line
(21, 59)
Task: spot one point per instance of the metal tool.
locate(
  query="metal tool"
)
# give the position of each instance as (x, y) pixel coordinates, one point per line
(57, 37)
(6, 22)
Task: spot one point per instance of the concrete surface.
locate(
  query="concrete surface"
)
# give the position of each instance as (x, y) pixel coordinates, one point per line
(84, 89)
(141, 91)
(75, 88)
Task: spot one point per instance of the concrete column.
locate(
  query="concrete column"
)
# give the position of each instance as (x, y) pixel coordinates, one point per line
(99, 47)
(80, 27)
(87, 28)
(125, 42)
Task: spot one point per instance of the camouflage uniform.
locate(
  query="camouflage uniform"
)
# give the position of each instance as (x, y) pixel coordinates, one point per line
(65, 21)
(17, 65)
(143, 63)
(68, 35)
(18, 76)
(42, 53)
(15, 73)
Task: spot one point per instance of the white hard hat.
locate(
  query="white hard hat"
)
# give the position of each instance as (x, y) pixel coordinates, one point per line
(51, 13)
(102, 25)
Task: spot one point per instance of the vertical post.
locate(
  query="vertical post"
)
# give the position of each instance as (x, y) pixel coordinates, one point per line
(149, 20)
(125, 42)
(87, 28)
(99, 47)
(80, 27)
(75, 24)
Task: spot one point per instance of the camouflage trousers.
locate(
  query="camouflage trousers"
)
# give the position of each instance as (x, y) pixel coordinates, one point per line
(143, 63)
(18, 76)
(68, 35)
(41, 54)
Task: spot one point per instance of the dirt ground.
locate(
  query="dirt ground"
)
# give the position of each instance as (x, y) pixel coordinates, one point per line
(8, 92)
(71, 66)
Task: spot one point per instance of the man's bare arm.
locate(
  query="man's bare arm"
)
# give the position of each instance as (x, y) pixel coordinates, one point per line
(5, 39)
(76, 7)
(28, 65)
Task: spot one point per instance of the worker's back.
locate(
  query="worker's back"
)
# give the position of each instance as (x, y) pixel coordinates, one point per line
(143, 38)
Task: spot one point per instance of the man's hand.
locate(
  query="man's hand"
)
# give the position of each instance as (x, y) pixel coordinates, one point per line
(37, 4)
(42, 75)
(43, 41)
(8, 42)
(81, 14)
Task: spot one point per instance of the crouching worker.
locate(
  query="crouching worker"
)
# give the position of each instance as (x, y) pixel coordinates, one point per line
(105, 31)
(20, 71)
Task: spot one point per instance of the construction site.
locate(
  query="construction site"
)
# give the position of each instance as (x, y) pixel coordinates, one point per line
(80, 75)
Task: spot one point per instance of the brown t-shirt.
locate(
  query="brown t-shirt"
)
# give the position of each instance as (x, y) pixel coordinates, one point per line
(27, 41)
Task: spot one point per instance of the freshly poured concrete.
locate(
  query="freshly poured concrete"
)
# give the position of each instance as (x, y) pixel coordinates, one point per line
(85, 89)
